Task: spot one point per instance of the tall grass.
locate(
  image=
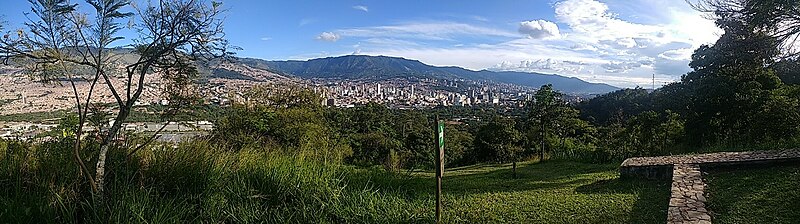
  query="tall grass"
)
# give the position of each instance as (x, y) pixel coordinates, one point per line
(200, 182)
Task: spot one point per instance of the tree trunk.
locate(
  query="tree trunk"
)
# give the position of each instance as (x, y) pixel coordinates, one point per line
(514, 169)
(544, 135)
(78, 159)
(104, 147)
(101, 168)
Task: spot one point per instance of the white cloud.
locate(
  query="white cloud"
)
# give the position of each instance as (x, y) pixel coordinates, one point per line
(672, 67)
(391, 42)
(425, 31)
(582, 13)
(626, 42)
(480, 18)
(306, 21)
(690, 26)
(592, 19)
(328, 36)
(361, 8)
(583, 47)
(543, 65)
(621, 67)
(539, 29)
(265, 38)
(677, 54)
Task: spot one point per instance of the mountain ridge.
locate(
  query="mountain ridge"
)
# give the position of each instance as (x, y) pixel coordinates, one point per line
(366, 67)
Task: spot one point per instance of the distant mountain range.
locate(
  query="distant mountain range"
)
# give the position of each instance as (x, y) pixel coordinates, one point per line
(361, 67)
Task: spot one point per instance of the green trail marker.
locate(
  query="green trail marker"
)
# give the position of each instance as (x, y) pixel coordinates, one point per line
(439, 167)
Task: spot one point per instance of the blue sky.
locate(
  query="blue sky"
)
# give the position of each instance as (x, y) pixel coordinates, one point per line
(619, 42)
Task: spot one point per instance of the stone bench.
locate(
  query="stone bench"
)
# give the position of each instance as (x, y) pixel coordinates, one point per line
(687, 192)
(660, 167)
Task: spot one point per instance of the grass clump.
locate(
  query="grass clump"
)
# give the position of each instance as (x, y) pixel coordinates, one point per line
(195, 182)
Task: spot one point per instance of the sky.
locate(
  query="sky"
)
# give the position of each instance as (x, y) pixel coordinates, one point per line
(618, 42)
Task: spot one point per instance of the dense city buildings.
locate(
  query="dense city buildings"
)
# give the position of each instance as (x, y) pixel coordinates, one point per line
(420, 93)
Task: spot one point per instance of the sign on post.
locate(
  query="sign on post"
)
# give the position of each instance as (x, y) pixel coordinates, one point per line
(439, 167)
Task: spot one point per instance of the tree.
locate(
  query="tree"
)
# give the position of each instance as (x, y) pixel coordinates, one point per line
(649, 133)
(779, 19)
(548, 116)
(460, 149)
(286, 117)
(498, 140)
(788, 70)
(732, 84)
(413, 129)
(379, 135)
(624, 103)
(60, 41)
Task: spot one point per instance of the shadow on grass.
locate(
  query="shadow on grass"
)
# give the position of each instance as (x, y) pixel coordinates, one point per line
(496, 178)
(482, 178)
(550, 177)
(530, 177)
(652, 196)
(761, 194)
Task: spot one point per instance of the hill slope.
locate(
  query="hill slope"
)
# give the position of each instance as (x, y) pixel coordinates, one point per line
(359, 67)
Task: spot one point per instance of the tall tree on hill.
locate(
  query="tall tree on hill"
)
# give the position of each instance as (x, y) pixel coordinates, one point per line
(732, 90)
(548, 116)
(413, 131)
(779, 19)
(622, 104)
(61, 42)
(499, 140)
(788, 70)
(460, 148)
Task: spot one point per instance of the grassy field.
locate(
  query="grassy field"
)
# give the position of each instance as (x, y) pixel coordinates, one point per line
(552, 192)
(549, 192)
(201, 184)
(759, 195)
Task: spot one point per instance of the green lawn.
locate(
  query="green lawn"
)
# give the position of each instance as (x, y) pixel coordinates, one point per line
(760, 195)
(550, 192)
(201, 185)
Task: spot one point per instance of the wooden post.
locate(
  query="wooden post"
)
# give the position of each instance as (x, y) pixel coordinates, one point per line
(439, 166)
(514, 165)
